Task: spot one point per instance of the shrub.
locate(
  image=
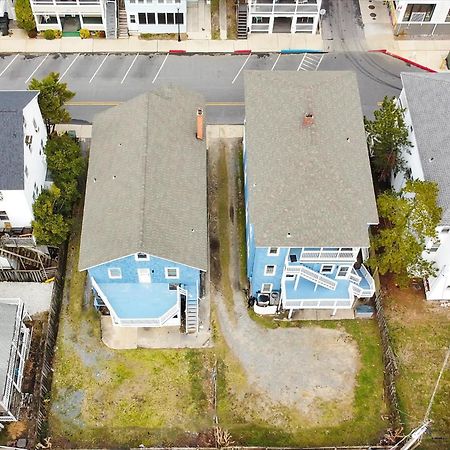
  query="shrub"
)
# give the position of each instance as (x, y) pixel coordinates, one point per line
(49, 35)
(58, 34)
(32, 33)
(85, 34)
(24, 15)
(100, 34)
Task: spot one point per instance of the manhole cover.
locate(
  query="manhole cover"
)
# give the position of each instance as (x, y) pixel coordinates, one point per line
(373, 15)
(371, 6)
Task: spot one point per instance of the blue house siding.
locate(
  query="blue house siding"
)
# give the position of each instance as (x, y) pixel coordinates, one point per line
(131, 298)
(261, 259)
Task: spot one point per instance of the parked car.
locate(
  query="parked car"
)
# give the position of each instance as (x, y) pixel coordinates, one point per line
(4, 25)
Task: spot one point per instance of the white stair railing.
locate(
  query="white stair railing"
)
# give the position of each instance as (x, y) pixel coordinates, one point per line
(317, 278)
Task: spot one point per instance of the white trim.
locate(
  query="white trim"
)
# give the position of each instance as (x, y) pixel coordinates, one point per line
(136, 256)
(264, 291)
(144, 275)
(346, 274)
(170, 277)
(266, 274)
(113, 277)
(273, 254)
(328, 265)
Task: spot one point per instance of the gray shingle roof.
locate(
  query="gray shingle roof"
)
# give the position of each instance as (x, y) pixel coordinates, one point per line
(12, 104)
(7, 324)
(308, 185)
(428, 97)
(146, 188)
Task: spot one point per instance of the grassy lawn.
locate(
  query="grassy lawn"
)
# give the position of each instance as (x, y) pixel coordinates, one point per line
(215, 27)
(239, 414)
(121, 398)
(420, 333)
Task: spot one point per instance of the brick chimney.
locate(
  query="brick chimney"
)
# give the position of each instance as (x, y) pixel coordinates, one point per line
(200, 124)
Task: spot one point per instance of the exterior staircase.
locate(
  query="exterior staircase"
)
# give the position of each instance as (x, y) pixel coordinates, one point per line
(191, 314)
(27, 258)
(123, 24)
(242, 21)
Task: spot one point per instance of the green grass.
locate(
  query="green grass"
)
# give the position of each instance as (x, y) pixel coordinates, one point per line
(241, 222)
(420, 336)
(365, 426)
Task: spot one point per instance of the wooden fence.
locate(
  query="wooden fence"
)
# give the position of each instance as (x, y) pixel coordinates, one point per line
(389, 358)
(44, 380)
(33, 276)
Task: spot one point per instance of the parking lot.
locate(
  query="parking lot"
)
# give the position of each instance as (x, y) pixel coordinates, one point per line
(102, 80)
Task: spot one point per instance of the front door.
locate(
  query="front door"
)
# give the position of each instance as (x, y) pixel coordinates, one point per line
(144, 276)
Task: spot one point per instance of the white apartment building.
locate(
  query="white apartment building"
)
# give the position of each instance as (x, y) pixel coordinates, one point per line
(420, 17)
(72, 15)
(7, 6)
(426, 99)
(22, 140)
(156, 16)
(283, 16)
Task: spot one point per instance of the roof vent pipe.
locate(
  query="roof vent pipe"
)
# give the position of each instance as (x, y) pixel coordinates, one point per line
(200, 124)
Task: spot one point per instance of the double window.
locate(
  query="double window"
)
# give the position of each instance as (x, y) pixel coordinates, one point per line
(343, 271)
(146, 18)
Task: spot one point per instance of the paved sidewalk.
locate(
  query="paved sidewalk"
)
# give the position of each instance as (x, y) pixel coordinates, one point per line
(379, 35)
(20, 43)
(223, 19)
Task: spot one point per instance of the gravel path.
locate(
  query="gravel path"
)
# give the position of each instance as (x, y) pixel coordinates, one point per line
(294, 367)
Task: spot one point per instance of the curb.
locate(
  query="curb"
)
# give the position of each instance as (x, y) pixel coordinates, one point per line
(300, 50)
(406, 60)
(242, 52)
(177, 52)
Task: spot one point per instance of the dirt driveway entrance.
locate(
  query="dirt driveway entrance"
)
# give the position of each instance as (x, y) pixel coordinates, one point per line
(309, 369)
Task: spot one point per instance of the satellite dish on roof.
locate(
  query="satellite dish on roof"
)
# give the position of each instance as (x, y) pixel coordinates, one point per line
(322, 12)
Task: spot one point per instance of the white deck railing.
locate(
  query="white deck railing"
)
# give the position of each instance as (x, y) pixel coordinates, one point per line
(66, 2)
(311, 275)
(268, 7)
(327, 255)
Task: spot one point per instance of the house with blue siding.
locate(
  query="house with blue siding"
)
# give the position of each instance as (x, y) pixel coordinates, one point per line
(144, 235)
(309, 198)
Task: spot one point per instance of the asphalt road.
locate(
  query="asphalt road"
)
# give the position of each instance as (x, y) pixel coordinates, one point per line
(101, 80)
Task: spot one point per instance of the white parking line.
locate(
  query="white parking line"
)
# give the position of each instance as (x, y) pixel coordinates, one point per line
(6, 68)
(240, 70)
(160, 67)
(301, 62)
(129, 68)
(275, 63)
(70, 65)
(35, 70)
(320, 60)
(98, 68)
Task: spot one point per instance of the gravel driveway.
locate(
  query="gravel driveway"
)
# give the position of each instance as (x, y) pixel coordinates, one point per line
(293, 367)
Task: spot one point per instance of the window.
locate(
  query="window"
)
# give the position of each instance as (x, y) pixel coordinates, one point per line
(161, 18)
(418, 12)
(269, 270)
(445, 230)
(260, 19)
(343, 271)
(132, 18)
(434, 246)
(26, 171)
(290, 275)
(4, 216)
(173, 287)
(142, 19)
(179, 18)
(172, 272)
(132, 1)
(35, 125)
(141, 256)
(170, 18)
(305, 19)
(144, 275)
(115, 273)
(273, 251)
(266, 288)
(151, 18)
(327, 268)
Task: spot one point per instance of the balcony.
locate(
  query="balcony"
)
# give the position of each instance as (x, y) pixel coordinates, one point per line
(283, 6)
(140, 304)
(47, 7)
(66, 2)
(362, 283)
(326, 254)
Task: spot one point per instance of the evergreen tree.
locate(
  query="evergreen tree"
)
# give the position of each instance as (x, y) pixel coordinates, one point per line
(24, 15)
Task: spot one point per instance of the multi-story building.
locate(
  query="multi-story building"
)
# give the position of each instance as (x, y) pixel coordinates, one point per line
(7, 6)
(22, 159)
(114, 18)
(15, 338)
(309, 198)
(144, 238)
(426, 100)
(420, 17)
(72, 15)
(282, 16)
